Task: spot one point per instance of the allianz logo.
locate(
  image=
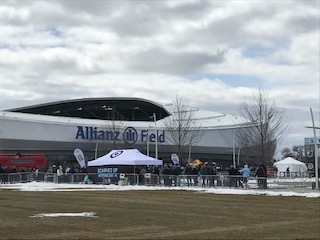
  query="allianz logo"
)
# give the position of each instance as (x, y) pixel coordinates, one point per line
(130, 135)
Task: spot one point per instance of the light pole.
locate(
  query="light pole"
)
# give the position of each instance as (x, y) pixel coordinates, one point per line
(189, 153)
(148, 151)
(239, 156)
(156, 130)
(96, 151)
(315, 150)
(234, 149)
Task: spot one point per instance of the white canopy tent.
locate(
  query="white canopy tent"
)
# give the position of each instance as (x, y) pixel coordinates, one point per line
(294, 166)
(131, 157)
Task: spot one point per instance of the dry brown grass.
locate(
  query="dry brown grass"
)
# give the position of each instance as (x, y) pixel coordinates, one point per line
(157, 215)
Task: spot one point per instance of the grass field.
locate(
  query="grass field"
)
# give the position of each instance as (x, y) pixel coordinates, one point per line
(157, 215)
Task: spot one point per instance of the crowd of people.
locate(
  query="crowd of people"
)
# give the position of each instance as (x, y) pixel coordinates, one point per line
(204, 175)
(208, 175)
(64, 174)
(12, 171)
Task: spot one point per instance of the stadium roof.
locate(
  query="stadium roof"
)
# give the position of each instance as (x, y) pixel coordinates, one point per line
(122, 109)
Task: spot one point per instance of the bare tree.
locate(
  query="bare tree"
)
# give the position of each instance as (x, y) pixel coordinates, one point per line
(112, 131)
(182, 127)
(286, 152)
(114, 126)
(265, 129)
(296, 152)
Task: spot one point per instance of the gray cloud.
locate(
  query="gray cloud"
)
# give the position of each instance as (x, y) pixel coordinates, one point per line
(180, 63)
(304, 23)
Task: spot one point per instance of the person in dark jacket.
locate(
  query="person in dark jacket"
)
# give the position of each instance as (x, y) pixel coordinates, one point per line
(2, 174)
(262, 176)
(232, 176)
(195, 173)
(154, 170)
(176, 172)
(212, 172)
(143, 171)
(167, 172)
(188, 173)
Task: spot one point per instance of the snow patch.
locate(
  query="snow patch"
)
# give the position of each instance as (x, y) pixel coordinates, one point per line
(83, 214)
(42, 186)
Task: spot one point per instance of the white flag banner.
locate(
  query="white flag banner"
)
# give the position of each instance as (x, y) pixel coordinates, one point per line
(175, 159)
(80, 157)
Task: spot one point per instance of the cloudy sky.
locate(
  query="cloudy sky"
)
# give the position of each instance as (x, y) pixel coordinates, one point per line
(214, 53)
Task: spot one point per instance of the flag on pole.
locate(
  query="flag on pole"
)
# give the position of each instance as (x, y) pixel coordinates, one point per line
(80, 157)
(175, 158)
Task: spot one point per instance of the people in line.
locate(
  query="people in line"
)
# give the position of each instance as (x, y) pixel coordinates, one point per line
(167, 173)
(142, 172)
(212, 172)
(234, 179)
(288, 172)
(245, 176)
(262, 176)
(175, 173)
(207, 174)
(86, 179)
(188, 171)
(204, 175)
(155, 171)
(275, 171)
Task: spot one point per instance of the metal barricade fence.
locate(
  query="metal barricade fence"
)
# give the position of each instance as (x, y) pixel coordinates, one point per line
(78, 177)
(293, 175)
(3, 178)
(148, 179)
(129, 178)
(50, 177)
(287, 183)
(38, 176)
(188, 180)
(14, 177)
(198, 181)
(168, 180)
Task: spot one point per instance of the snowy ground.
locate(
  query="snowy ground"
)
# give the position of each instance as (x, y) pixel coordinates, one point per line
(41, 186)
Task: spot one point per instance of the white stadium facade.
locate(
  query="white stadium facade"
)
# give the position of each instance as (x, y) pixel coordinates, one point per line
(99, 125)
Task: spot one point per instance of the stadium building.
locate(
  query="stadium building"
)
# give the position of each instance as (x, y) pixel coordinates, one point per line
(99, 125)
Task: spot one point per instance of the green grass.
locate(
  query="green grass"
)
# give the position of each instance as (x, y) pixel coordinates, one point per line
(157, 215)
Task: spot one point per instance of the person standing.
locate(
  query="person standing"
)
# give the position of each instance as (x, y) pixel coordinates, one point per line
(275, 171)
(176, 172)
(212, 175)
(204, 175)
(288, 172)
(60, 174)
(188, 172)
(268, 170)
(195, 173)
(233, 176)
(262, 176)
(167, 172)
(142, 172)
(245, 174)
(154, 170)
(86, 179)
